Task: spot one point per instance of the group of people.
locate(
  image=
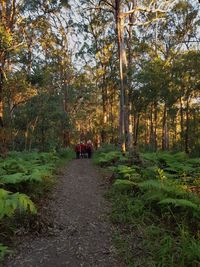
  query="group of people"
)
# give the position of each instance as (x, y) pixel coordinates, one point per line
(84, 150)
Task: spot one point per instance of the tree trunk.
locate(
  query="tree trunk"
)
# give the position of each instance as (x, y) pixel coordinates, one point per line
(7, 20)
(105, 110)
(146, 131)
(136, 130)
(187, 127)
(164, 129)
(155, 125)
(151, 139)
(129, 125)
(1, 98)
(112, 122)
(66, 138)
(175, 132)
(121, 52)
(26, 138)
(181, 122)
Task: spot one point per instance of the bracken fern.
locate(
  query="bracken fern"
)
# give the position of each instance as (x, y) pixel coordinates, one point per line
(9, 203)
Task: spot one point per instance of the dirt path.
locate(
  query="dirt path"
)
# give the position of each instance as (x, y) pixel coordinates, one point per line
(84, 236)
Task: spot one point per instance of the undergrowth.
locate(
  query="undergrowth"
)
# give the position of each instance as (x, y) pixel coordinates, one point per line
(156, 208)
(25, 178)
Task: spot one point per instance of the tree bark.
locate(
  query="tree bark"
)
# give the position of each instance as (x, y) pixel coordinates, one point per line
(151, 138)
(136, 130)
(155, 125)
(187, 127)
(121, 52)
(181, 122)
(7, 17)
(105, 110)
(146, 134)
(164, 129)
(128, 104)
(1, 98)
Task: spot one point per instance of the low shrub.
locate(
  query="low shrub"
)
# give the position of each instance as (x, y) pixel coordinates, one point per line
(162, 205)
(24, 178)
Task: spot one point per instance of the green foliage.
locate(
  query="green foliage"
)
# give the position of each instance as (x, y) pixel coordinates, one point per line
(14, 178)
(3, 251)
(126, 172)
(66, 153)
(106, 159)
(105, 148)
(184, 203)
(11, 166)
(175, 166)
(167, 187)
(126, 207)
(170, 194)
(30, 173)
(161, 208)
(123, 185)
(149, 172)
(30, 167)
(5, 36)
(9, 203)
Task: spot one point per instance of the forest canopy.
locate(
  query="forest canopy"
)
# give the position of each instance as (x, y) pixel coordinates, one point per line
(121, 72)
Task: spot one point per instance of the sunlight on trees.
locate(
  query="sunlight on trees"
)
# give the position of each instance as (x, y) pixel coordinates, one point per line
(122, 72)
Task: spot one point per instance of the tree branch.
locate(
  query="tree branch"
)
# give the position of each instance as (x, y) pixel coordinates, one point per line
(107, 3)
(149, 9)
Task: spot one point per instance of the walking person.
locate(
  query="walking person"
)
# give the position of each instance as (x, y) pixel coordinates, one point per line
(83, 149)
(89, 148)
(78, 151)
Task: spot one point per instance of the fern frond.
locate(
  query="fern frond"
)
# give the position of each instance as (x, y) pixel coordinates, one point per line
(151, 184)
(13, 178)
(171, 188)
(3, 251)
(180, 203)
(9, 203)
(123, 185)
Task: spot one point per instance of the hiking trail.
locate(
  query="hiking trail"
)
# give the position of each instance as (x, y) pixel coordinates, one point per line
(83, 236)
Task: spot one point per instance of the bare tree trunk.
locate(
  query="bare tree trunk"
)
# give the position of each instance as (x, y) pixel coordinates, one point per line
(151, 138)
(164, 129)
(187, 127)
(1, 98)
(136, 130)
(128, 104)
(181, 122)
(7, 20)
(130, 126)
(43, 138)
(112, 121)
(66, 139)
(146, 130)
(105, 110)
(26, 139)
(155, 125)
(175, 131)
(121, 51)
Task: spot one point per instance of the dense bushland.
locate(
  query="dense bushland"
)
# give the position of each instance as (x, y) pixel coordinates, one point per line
(156, 208)
(25, 178)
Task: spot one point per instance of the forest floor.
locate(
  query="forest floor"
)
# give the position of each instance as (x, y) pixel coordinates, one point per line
(80, 234)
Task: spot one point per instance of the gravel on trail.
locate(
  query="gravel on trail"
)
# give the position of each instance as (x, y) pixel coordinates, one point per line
(82, 235)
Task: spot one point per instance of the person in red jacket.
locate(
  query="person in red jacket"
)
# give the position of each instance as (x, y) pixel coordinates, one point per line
(78, 150)
(83, 150)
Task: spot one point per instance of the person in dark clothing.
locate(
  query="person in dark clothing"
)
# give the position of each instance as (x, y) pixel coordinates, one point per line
(89, 149)
(83, 150)
(78, 151)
